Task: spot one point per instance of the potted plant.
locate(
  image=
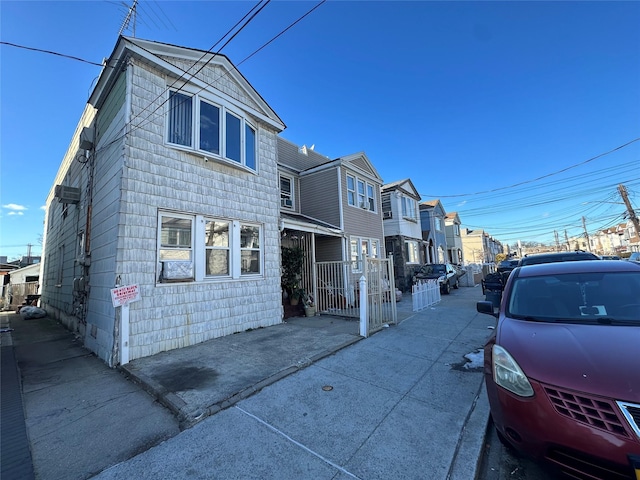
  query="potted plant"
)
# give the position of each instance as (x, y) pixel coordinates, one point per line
(292, 261)
(309, 305)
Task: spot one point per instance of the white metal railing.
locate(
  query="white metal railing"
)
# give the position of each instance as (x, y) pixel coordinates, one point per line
(424, 294)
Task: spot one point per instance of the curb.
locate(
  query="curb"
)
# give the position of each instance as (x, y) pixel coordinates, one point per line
(467, 461)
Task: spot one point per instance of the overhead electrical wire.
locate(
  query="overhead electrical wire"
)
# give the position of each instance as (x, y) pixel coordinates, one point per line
(50, 52)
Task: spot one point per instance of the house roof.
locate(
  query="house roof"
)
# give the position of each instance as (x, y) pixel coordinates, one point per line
(298, 221)
(169, 59)
(406, 186)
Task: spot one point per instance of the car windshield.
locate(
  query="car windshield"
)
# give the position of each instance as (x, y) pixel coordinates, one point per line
(430, 269)
(605, 298)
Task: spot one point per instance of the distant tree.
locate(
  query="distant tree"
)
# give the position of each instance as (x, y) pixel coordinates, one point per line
(500, 257)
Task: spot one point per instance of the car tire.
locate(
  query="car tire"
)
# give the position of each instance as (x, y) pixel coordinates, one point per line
(456, 285)
(446, 288)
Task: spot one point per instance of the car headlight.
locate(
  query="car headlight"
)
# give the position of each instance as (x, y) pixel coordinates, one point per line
(508, 374)
(442, 279)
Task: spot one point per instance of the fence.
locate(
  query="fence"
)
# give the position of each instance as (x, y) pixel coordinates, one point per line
(424, 294)
(17, 293)
(338, 290)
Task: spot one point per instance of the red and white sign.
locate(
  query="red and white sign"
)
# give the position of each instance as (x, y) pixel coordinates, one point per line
(124, 295)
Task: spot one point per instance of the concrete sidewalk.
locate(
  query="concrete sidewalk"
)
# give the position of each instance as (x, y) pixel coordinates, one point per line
(400, 404)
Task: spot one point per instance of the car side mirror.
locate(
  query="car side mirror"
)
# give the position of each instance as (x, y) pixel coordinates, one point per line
(487, 307)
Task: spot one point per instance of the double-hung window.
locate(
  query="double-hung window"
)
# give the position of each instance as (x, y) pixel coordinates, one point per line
(198, 248)
(286, 191)
(408, 208)
(360, 194)
(213, 130)
(361, 248)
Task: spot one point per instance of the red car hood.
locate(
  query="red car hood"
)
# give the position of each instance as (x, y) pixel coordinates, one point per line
(598, 359)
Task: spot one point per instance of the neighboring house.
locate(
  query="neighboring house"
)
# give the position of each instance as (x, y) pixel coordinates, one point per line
(479, 247)
(454, 238)
(402, 230)
(22, 282)
(614, 240)
(171, 184)
(330, 207)
(432, 217)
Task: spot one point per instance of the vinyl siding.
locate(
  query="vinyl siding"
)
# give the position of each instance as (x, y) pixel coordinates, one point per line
(111, 107)
(360, 222)
(319, 196)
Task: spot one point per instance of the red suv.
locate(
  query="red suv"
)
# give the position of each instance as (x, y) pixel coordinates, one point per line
(562, 368)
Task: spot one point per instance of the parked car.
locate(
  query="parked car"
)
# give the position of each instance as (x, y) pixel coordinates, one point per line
(635, 257)
(506, 266)
(562, 370)
(550, 257)
(447, 275)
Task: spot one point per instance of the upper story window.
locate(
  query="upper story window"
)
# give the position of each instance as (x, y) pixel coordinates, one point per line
(197, 124)
(361, 194)
(438, 222)
(456, 229)
(408, 208)
(286, 191)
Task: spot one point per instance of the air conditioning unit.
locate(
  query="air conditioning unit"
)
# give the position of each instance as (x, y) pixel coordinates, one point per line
(286, 202)
(67, 194)
(387, 214)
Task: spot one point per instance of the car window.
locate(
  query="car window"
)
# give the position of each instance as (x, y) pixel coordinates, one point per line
(581, 298)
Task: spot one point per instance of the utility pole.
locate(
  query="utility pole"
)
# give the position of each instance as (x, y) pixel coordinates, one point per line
(566, 239)
(584, 226)
(632, 215)
(555, 234)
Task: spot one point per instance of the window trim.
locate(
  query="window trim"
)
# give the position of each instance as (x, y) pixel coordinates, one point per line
(224, 109)
(361, 199)
(199, 249)
(284, 195)
(412, 246)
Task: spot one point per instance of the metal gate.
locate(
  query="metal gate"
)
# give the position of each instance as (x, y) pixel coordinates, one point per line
(338, 290)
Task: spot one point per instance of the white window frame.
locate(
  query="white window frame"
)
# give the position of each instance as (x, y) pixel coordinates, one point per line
(198, 248)
(247, 159)
(408, 208)
(284, 196)
(351, 190)
(361, 194)
(413, 253)
(438, 223)
(360, 248)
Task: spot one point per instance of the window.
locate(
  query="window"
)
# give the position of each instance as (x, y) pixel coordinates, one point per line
(412, 251)
(194, 247)
(199, 125)
(438, 222)
(408, 208)
(216, 240)
(360, 248)
(351, 190)
(286, 191)
(175, 238)
(360, 194)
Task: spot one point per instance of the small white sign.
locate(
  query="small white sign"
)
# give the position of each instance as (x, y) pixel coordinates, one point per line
(124, 295)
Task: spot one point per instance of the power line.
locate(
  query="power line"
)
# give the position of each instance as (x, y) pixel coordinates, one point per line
(541, 177)
(50, 52)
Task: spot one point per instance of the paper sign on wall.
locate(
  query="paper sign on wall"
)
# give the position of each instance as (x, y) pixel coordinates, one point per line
(124, 295)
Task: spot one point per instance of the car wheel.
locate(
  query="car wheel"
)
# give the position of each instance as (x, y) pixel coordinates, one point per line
(446, 288)
(456, 285)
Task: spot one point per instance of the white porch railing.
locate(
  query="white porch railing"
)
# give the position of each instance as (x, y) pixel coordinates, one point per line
(424, 294)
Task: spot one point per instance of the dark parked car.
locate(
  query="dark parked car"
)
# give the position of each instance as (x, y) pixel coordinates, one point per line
(506, 266)
(562, 368)
(446, 274)
(550, 257)
(635, 257)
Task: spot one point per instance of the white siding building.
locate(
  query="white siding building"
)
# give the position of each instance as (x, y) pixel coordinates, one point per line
(171, 184)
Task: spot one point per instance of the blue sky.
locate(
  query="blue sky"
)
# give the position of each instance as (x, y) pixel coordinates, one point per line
(499, 109)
